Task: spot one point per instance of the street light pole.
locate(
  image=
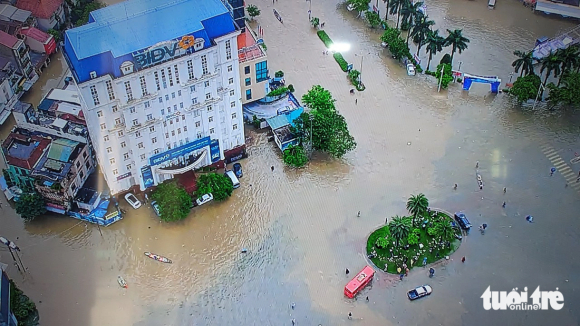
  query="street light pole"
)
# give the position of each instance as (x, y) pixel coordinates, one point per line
(361, 65)
(309, 10)
(311, 146)
(440, 80)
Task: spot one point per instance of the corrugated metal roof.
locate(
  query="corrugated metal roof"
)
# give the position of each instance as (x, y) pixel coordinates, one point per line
(143, 22)
(61, 149)
(278, 121)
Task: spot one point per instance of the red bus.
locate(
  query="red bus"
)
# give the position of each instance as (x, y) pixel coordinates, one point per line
(359, 281)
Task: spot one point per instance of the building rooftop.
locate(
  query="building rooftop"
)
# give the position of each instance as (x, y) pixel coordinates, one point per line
(12, 13)
(64, 95)
(7, 39)
(134, 25)
(248, 48)
(24, 151)
(40, 8)
(36, 34)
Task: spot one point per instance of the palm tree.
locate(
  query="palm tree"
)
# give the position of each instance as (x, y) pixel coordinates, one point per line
(420, 30)
(395, 8)
(417, 205)
(411, 14)
(457, 42)
(386, 11)
(525, 61)
(434, 44)
(400, 228)
(444, 230)
(551, 63)
(570, 60)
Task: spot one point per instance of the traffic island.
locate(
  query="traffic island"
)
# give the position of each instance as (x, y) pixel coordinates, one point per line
(399, 243)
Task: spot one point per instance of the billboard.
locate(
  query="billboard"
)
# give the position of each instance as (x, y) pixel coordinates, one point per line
(166, 50)
(179, 151)
(147, 176)
(214, 149)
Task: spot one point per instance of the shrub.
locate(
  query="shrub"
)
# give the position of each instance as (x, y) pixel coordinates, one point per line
(447, 74)
(446, 59)
(341, 62)
(291, 88)
(279, 74)
(295, 156)
(353, 76)
(382, 242)
(256, 122)
(218, 185)
(278, 91)
(325, 38)
(459, 80)
(174, 202)
(412, 239)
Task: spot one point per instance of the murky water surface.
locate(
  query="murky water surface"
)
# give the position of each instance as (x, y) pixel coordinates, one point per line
(301, 227)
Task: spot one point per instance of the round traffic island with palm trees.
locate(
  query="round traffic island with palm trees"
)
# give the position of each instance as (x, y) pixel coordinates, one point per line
(421, 238)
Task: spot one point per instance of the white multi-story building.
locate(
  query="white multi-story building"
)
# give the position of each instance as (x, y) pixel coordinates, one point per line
(159, 85)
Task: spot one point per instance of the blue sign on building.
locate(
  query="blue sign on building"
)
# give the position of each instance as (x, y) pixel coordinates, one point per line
(214, 149)
(147, 176)
(179, 151)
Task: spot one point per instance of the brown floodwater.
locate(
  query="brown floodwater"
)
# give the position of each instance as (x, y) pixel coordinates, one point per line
(300, 226)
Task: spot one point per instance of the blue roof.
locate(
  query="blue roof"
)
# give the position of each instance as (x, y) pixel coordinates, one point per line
(133, 25)
(278, 121)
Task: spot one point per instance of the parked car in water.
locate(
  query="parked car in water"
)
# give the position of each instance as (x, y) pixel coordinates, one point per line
(462, 220)
(132, 200)
(410, 69)
(230, 174)
(238, 170)
(204, 199)
(156, 208)
(419, 292)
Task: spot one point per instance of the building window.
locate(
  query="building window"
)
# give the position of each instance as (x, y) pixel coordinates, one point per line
(126, 156)
(160, 99)
(177, 119)
(210, 119)
(209, 108)
(179, 93)
(109, 150)
(211, 130)
(163, 78)
(142, 157)
(167, 97)
(153, 140)
(156, 151)
(176, 73)
(184, 128)
(232, 92)
(233, 104)
(171, 121)
(137, 134)
(128, 166)
(143, 85)
(168, 110)
(173, 95)
(170, 76)
(123, 144)
(140, 145)
(106, 138)
(128, 90)
(234, 127)
(248, 94)
(110, 90)
(196, 113)
(204, 64)
(190, 70)
(234, 115)
(228, 50)
(231, 81)
(99, 113)
(103, 126)
(147, 105)
(197, 124)
(132, 109)
(199, 135)
(162, 111)
(172, 132)
(230, 68)
(261, 71)
(206, 83)
(183, 117)
(135, 122)
(120, 133)
(149, 116)
(95, 95)
(168, 145)
(115, 108)
(207, 96)
(117, 121)
(112, 160)
(82, 174)
(181, 105)
(157, 81)
(115, 172)
(247, 70)
(248, 81)
(152, 129)
(88, 165)
(192, 88)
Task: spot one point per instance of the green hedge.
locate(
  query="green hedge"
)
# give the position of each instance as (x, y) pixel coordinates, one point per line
(341, 62)
(325, 38)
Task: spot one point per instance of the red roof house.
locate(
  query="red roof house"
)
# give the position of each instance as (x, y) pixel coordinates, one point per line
(38, 40)
(40, 8)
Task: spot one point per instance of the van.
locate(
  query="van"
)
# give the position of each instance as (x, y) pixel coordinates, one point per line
(230, 174)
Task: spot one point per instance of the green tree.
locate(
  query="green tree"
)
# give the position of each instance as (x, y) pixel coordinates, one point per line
(570, 60)
(395, 8)
(447, 74)
(417, 206)
(253, 11)
(279, 74)
(420, 30)
(400, 228)
(295, 156)
(280, 91)
(386, 2)
(525, 61)
(457, 41)
(412, 239)
(359, 5)
(354, 76)
(55, 34)
(174, 202)
(22, 307)
(218, 185)
(446, 58)
(398, 48)
(372, 18)
(434, 44)
(411, 14)
(382, 242)
(568, 93)
(30, 206)
(84, 9)
(551, 63)
(526, 88)
(444, 231)
(315, 22)
(390, 35)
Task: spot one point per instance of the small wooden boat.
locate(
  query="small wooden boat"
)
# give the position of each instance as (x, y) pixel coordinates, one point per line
(158, 258)
(122, 282)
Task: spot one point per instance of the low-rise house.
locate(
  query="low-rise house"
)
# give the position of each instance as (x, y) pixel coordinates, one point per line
(49, 13)
(253, 66)
(21, 154)
(16, 16)
(41, 45)
(12, 47)
(10, 81)
(281, 124)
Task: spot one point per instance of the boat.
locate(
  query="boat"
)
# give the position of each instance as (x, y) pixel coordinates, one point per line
(122, 282)
(158, 258)
(359, 281)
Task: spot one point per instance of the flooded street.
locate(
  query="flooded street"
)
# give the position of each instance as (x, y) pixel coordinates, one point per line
(300, 226)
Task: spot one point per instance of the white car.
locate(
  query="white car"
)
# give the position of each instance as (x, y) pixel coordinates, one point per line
(410, 69)
(419, 292)
(132, 200)
(156, 208)
(204, 199)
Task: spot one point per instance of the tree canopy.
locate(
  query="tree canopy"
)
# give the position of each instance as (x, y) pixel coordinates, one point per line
(525, 61)
(526, 88)
(434, 44)
(30, 206)
(253, 11)
(417, 205)
(218, 185)
(457, 41)
(174, 202)
(568, 92)
(372, 18)
(295, 156)
(400, 227)
(359, 5)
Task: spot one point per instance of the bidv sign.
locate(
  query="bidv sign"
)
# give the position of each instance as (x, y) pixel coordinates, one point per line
(541, 300)
(164, 51)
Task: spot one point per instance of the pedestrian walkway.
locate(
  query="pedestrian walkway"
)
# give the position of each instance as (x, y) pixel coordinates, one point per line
(561, 165)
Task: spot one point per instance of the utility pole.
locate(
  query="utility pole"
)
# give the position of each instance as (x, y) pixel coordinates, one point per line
(440, 79)
(12, 247)
(309, 10)
(311, 146)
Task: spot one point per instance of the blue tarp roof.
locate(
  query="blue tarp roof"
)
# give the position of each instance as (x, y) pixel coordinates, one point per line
(45, 104)
(282, 120)
(143, 22)
(61, 149)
